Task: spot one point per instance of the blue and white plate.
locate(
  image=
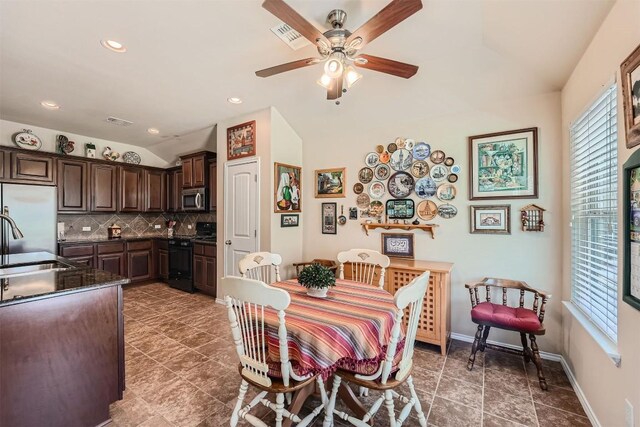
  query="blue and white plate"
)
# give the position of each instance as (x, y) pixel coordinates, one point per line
(426, 187)
(421, 151)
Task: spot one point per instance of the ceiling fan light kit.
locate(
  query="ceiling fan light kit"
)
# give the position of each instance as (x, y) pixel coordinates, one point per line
(339, 49)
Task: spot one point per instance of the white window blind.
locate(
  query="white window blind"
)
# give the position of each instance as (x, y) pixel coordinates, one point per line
(594, 187)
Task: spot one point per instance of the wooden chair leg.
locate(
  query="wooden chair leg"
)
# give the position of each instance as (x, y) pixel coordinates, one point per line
(417, 406)
(244, 386)
(279, 409)
(526, 351)
(485, 335)
(474, 348)
(388, 402)
(538, 362)
(328, 410)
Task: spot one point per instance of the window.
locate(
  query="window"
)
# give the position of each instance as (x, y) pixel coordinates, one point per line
(594, 232)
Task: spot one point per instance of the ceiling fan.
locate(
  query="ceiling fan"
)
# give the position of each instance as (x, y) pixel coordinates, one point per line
(340, 49)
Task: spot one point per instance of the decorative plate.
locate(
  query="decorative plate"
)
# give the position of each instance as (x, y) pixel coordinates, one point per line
(446, 192)
(419, 169)
(358, 188)
(392, 147)
(365, 175)
(385, 157)
(437, 157)
(27, 140)
(421, 151)
(376, 190)
(456, 169)
(131, 157)
(64, 145)
(400, 142)
(363, 201)
(449, 161)
(427, 210)
(379, 149)
(372, 159)
(376, 208)
(452, 178)
(439, 173)
(401, 160)
(409, 144)
(400, 185)
(426, 187)
(447, 211)
(382, 172)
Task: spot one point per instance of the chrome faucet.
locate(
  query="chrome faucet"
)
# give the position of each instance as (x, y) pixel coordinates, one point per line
(15, 231)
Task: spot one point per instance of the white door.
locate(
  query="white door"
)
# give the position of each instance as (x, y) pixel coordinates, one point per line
(241, 219)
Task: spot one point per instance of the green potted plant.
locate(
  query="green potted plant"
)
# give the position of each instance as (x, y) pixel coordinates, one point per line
(317, 279)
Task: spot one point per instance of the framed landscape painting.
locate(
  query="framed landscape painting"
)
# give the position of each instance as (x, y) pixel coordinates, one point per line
(494, 219)
(630, 72)
(288, 194)
(504, 165)
(331, 182)
(241, 140)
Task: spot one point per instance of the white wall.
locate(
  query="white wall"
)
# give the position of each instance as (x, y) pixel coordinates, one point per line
(604, 385)
(532, 257)
(48, 138)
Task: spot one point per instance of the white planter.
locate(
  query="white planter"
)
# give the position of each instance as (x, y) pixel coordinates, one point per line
(317, 292)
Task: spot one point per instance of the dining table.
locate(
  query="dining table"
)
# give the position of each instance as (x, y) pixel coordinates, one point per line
(348, 330)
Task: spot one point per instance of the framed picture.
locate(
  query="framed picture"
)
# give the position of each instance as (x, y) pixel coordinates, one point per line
(288, 194)
(504, 165)
(289, 220)
(241, 140)
(331, 182)
(495, 219)
(631, 221)
(399, 245)
(329, 218)
(630, 73)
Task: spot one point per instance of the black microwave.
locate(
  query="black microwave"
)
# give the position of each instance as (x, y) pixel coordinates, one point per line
(195, 200)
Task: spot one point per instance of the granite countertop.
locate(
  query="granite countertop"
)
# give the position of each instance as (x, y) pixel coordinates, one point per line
(106, 239)
(22, 287)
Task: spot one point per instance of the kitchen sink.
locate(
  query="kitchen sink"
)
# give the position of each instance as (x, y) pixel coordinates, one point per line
(30, 268)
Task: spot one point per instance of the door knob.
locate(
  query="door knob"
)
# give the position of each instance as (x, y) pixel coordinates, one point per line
(228, 242)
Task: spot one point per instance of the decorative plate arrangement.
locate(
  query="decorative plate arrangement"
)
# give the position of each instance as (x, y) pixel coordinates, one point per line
(437, 157)
(401, 160)
(376, 208)
(358, 188)
(27, 140)
(447, 211)
(400, 185)
(452, 178)
(446, 192)
(392, 147)
(456, 169)
(426, 187)
(385, 157)
(439, 173)
(372, 159)
(376, 190)
(419, 169)
(449, 161)
(379, 149)
(409, 144)
(427, 210)
(382, 172)
(131, 157)
(363, 201)
(421, 151)
(365, 175)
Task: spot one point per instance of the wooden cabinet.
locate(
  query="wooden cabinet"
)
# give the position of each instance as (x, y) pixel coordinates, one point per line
(187, 173)
(155, 182)
(139, 260)
(103, 187)
(131, 189)
(213, 184)
(174, 193)
(163, 264)
(83, 253)
(2, 168)
(200, 172)
(204, 268)
(195, 169)
(73, 186)
(32, 168)
(111, 257)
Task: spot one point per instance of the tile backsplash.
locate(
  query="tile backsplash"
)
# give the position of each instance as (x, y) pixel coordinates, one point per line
(133, 225)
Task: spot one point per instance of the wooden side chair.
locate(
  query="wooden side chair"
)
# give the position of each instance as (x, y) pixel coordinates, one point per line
(408, 300)
(263, 266)
(246, 300)
(330, 264)
(487, 315)
(363, 265)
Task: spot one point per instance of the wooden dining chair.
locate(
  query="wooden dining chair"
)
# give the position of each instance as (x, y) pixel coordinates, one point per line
(363, 265)
(330, 264)
(246, 300)
(263, 266)
(390, 375)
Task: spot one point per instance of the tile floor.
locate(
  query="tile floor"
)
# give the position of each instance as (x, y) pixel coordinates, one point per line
(181, 371)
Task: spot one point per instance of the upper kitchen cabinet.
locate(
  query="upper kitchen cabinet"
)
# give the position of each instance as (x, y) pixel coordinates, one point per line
(155, 191)
(104, 190)
(174, 190)
(195, 169)
(73, 185)
(213, 182)
(32, 168)
(131, 189)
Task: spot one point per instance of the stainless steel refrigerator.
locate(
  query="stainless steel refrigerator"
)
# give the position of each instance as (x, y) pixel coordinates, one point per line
(34, 209)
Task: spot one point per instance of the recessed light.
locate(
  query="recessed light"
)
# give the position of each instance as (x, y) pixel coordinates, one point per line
(113, 45)
(50, 105)
(234, 100)
(153, 131)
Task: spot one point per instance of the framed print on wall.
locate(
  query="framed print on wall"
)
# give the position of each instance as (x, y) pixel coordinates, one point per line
(504, 165)
(241, 140)
(331, 182)
(631, 221)
(630, 72)
(494, 219)
(329, 218)
(288, 192)
(289, 220)
(399, 245)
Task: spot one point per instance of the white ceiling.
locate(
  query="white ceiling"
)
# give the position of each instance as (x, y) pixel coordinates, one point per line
(185, 58)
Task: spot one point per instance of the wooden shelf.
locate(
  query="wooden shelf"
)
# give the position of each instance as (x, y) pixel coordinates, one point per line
(426, 227)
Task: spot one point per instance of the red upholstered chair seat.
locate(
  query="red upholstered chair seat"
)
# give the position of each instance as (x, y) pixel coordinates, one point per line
(514, 318)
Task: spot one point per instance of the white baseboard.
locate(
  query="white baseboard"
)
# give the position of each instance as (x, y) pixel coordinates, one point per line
(547, 356)
(219, 301)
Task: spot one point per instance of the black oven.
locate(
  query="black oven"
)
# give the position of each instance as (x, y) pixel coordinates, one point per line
(194, 200)
(181, 264)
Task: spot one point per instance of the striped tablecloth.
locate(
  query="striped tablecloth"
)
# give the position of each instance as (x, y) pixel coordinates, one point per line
(348, 329)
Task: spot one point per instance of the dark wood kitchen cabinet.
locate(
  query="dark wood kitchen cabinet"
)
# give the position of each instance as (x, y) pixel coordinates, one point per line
(187, 173)
(204, 268)
(2, 168)
(111, 257)
(32, 168)
(213, 184)
(174, 193)
(73, 186)
(195, 169)
(131, 189)
(140, 260)
(103, 187)
(83, 253)
(161, 257)
(155, 191)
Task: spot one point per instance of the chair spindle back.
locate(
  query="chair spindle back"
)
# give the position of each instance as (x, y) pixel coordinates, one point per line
(259, 266)
(363, 265)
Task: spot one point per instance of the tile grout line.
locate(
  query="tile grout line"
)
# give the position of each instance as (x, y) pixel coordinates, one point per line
(533, 402)
(483, 388)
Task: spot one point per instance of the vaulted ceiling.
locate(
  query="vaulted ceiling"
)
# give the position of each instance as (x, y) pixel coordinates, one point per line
(185, 58)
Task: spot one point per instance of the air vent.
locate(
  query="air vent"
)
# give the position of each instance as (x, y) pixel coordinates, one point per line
(118, 122)
(291, 37)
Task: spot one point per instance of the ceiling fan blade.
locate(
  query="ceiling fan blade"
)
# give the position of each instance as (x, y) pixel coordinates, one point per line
(334, 91)
(393, 14)
(388, 66)
(287, 67)
(286, 14)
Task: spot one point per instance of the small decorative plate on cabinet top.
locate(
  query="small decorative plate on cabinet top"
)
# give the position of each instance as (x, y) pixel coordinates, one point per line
(27, 140)
(376, 190)
(131, 157)
(372, 159)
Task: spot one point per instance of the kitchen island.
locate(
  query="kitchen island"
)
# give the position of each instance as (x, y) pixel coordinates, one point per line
(61, 342)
